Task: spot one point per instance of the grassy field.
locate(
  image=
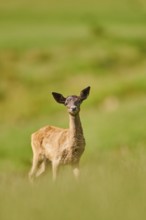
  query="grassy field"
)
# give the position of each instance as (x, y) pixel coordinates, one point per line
(65, 46)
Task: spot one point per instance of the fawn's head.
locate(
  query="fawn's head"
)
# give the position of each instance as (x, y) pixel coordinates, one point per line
(72, 102)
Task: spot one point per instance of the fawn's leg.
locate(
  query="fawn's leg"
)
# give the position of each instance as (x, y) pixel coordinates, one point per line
(41, 168)
(76, 170)
(35, 166)
(55, 166)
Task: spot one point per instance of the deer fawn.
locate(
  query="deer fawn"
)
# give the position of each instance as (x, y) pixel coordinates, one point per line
(60, 146)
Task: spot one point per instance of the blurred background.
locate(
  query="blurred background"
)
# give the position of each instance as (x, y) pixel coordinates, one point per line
(65, 46)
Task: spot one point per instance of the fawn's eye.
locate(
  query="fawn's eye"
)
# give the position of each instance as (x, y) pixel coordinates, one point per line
(66, 102)
(77, 103)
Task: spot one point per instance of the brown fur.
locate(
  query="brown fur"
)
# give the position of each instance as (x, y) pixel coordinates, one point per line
(59, 146)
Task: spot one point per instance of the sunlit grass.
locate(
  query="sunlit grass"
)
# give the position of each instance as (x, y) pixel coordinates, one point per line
(112, 186)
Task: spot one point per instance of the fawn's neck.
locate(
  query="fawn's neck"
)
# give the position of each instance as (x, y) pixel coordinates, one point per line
(75, 126)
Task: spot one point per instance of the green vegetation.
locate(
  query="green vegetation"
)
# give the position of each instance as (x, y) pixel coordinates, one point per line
(64, 46)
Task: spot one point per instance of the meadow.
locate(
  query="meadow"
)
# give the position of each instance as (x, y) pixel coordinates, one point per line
(63, 47)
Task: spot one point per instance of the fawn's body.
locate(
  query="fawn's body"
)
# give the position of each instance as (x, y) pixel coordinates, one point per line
(60, 146)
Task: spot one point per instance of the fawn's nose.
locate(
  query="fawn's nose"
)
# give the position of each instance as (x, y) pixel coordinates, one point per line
(73, 108)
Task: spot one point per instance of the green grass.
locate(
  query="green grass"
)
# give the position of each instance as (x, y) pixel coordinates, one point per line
(64, 47)
(112, 186)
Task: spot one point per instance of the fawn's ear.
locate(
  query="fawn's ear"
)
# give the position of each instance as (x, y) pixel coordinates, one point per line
(58, 97)
(84, 93)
